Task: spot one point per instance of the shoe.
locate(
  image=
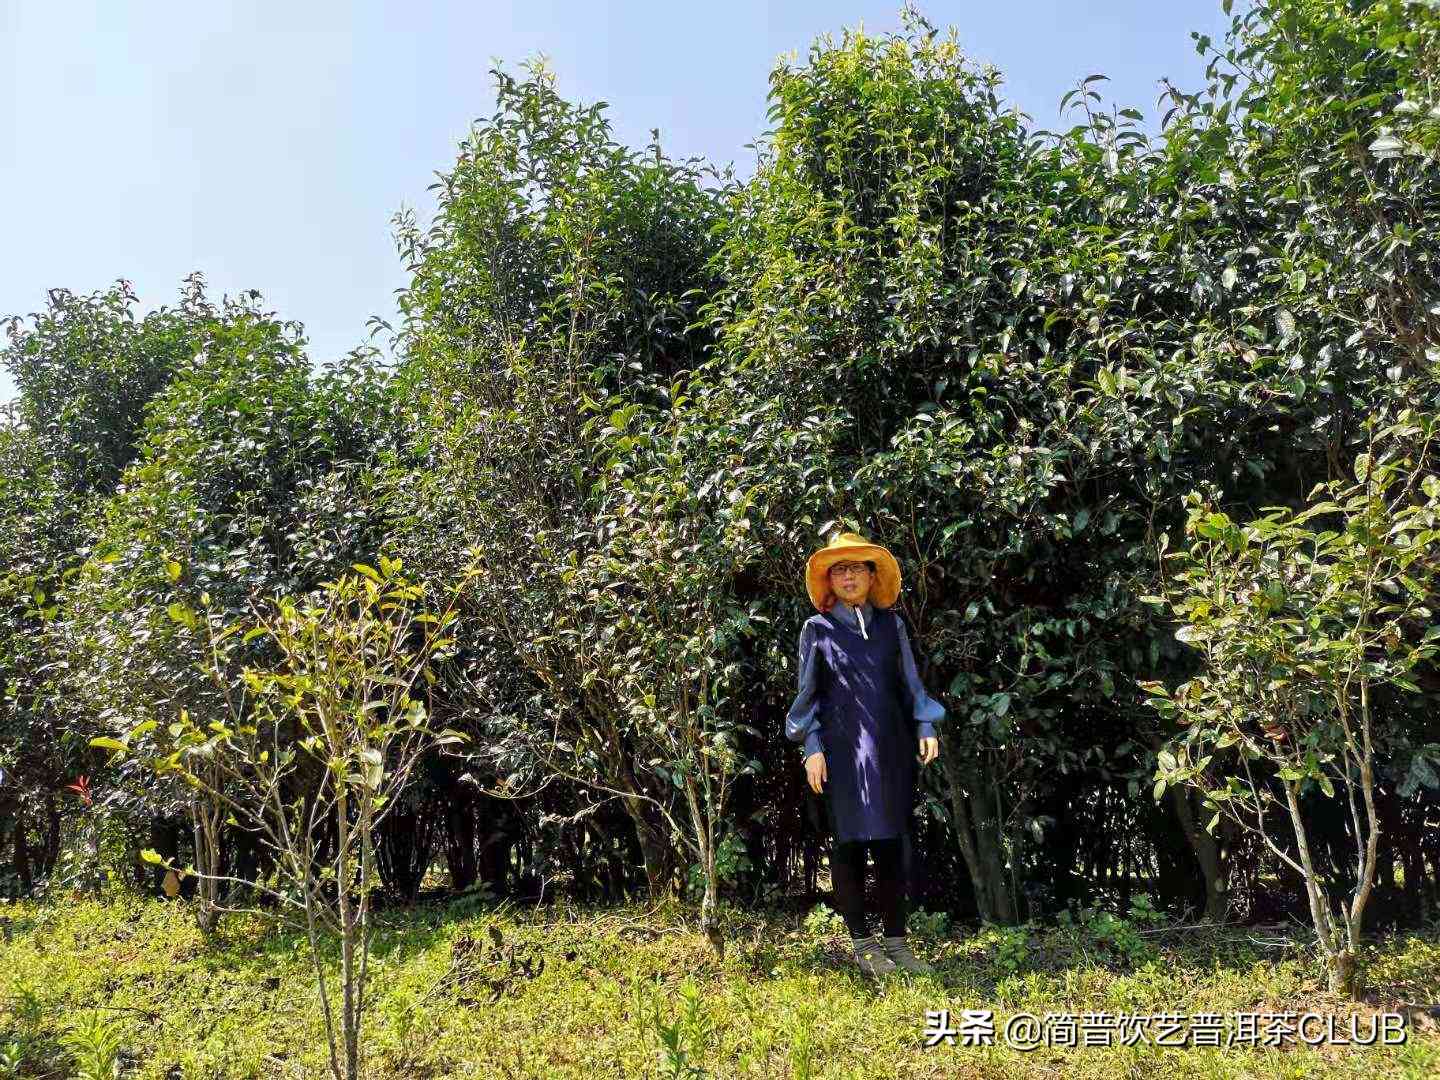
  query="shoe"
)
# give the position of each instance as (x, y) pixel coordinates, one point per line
(901, 956)
(870, 956)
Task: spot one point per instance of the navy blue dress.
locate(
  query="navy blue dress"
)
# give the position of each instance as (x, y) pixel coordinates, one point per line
(861, 703)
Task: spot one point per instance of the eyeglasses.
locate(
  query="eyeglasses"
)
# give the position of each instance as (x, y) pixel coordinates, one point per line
(846, 569)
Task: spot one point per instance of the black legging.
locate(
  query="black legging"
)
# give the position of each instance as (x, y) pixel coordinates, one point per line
(847, 875)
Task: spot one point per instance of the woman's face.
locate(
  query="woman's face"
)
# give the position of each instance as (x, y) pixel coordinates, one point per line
(850, 581)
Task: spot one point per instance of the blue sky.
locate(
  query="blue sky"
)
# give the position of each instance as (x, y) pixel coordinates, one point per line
(267, 144)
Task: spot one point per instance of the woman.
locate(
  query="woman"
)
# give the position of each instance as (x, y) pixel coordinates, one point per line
(861, 711)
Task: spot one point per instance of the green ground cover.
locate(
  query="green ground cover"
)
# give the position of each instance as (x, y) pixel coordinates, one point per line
(495, 991)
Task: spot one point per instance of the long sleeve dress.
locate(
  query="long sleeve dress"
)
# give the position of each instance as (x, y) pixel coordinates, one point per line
(861, 702)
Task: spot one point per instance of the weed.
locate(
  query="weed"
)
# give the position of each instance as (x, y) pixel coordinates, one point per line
(27, 1007)
(926, 924)
(1144, 912)
(94, 1043)
(802, 1042)
(823, 921)
(1012, 948)
(684, 1041)
(1120, 936)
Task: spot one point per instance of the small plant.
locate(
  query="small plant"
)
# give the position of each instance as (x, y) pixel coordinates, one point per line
(12, 1056)
(802, 1042)
(1012, 949)
(755, 1059)
(927, 924)
(337, 713)
(26, 1021)
(1117, 935)
(1143, 911)
(823, 921)
(82, 790)
(409, 1025)
(822, 926)
(399, 1012)
(683, 1042)
(94, 1043)
(27, 1008)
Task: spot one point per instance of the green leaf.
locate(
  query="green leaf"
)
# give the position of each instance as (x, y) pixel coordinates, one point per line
(153, 857)
(104, 742)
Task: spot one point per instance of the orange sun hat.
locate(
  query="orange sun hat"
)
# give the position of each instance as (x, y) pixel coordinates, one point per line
(852, 547)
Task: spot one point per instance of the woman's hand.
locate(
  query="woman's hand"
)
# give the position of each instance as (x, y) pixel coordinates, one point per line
(929, 750)
(815, 771)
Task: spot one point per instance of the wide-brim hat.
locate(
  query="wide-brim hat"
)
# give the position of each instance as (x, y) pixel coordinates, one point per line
(852, 547)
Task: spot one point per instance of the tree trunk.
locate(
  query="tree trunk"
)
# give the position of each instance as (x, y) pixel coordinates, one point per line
(655, 849)
(1207, 854)
(348, 1028)
(978, 832)
(1339, 960)
(207, 819)
(95, 866)
(655, 844)
(493, 866)
(704, 820)
(22, 850)
(460, 843)
(1344, 973)
(50, 849)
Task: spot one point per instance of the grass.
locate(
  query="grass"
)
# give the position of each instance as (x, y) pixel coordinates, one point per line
(631, 992)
